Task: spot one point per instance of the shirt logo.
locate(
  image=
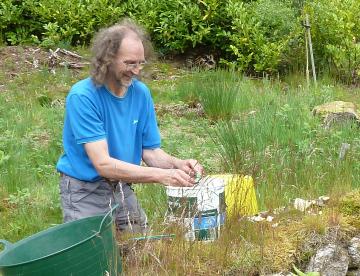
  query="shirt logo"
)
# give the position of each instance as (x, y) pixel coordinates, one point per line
(135, 122)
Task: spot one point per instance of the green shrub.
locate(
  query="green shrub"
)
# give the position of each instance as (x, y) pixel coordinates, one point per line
(17, 22)
(56, 22)
(178, 25)
(75, 22)
(250, 36)
(260, 34)
(336, 31)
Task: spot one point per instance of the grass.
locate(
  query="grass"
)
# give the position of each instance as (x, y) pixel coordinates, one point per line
(264, 128)
(31, 142)
(272, 135)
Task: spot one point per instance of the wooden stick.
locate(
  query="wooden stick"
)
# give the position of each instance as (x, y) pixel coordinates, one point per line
(310, 48)
(74, 65)
(69, 53)
(307, 61)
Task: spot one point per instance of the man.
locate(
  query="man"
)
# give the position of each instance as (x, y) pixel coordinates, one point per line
(110, 126)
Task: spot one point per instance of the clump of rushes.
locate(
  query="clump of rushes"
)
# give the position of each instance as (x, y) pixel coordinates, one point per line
(216, 91)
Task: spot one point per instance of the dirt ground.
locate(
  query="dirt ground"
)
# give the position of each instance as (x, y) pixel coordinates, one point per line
(19, 60)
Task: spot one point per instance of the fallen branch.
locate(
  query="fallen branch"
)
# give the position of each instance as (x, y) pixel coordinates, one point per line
(69, 53)
(74, 65)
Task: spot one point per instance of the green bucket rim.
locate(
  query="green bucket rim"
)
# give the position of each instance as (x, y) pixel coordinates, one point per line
(15, 245)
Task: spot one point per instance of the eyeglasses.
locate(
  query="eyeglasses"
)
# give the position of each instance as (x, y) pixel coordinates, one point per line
(134, 65)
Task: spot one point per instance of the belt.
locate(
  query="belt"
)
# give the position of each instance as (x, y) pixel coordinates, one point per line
(112, 183)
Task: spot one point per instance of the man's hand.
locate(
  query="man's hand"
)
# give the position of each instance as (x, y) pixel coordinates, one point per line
(177, 172)
(191, 167)
(177, 178)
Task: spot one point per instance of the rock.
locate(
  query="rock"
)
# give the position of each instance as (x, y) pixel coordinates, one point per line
(353, 272)
(311, 205)
(354, 252)
(330, 260)
(340, 118)
(256, 218)
(302, 204)
(321, 201)
(337, 111)
(335, 107)
(343, 149)
(324, 199)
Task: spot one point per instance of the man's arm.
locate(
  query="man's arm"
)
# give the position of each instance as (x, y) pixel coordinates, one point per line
(160, 159)
(112, 168)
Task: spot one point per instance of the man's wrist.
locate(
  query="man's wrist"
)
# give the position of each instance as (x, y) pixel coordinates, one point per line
(176, 163)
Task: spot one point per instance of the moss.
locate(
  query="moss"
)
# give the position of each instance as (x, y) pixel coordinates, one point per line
(351, 224)
(350, 203)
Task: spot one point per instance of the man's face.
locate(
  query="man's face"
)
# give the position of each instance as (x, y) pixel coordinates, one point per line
(129, 61)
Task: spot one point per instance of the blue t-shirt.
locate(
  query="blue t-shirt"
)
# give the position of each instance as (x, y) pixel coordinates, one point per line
(93, 113)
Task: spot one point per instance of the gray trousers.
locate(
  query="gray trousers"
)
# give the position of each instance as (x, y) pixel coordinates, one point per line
(80, 199)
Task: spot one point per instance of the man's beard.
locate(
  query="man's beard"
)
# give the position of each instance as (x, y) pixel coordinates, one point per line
(120, 83)
(119, 80)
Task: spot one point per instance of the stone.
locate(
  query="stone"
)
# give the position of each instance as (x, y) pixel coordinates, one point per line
(330, 260)
(335, 107)
(354, 252)
(343, 149)
(302, 204)
(337, 112)
(353, 272)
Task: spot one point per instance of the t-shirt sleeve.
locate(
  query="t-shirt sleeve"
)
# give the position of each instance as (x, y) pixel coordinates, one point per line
(151, 134)
(85, 119)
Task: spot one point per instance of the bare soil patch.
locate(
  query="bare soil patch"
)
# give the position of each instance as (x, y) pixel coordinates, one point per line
(17, 60)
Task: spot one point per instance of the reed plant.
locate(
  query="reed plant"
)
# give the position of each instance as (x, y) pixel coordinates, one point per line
(286, 148)
(273, 136)
(216, 91)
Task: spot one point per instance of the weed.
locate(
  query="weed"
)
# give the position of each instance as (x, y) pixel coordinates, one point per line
(299, 273)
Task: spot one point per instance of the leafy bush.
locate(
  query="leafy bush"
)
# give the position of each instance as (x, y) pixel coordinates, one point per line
(260, 34)
(54, 22)
(177, 25)
(75, 22)
(249, 36)
(336, 31)
(16, 22)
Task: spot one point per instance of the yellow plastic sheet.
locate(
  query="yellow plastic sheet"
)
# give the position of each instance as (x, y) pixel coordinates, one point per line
(240, 196)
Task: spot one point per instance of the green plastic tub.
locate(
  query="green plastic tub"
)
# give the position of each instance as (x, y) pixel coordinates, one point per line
(82, 247)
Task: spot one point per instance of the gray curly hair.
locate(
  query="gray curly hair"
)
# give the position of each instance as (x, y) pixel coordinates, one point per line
(106, 45)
